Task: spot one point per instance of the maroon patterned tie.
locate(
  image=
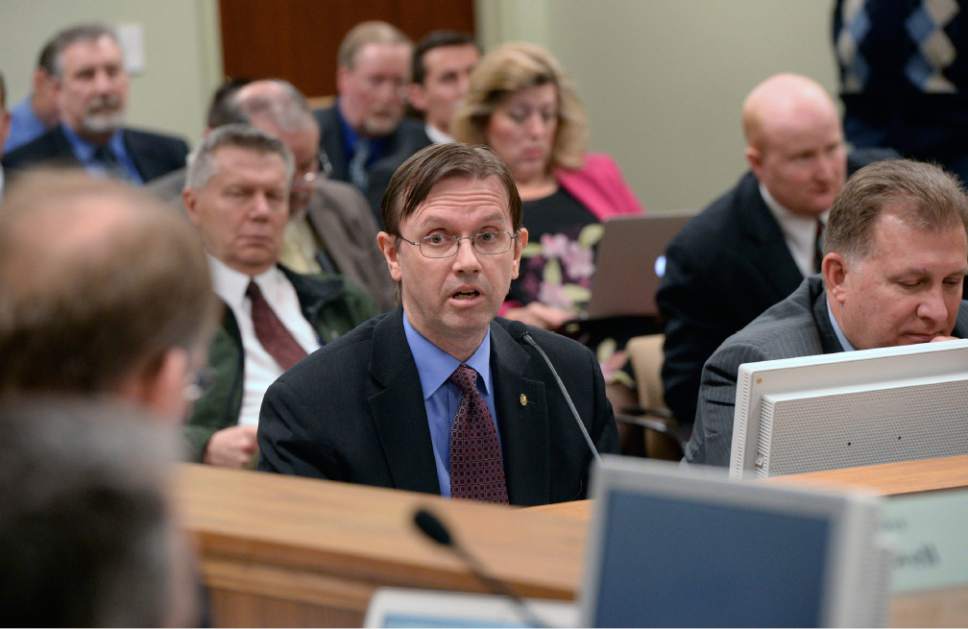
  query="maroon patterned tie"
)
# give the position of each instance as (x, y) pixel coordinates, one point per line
(270, 331)
(476, 464)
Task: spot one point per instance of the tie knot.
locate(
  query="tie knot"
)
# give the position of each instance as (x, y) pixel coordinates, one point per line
(465, 378)
(252, 290)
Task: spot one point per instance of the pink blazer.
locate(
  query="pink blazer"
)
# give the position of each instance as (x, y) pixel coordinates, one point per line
(600, 187)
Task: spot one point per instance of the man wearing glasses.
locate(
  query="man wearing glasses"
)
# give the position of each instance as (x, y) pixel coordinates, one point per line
(439, 396)
(237, 196)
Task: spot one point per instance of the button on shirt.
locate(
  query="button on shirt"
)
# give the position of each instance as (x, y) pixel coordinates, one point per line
(84, 152)
(261, 369)
(441, 398)
(799, 232)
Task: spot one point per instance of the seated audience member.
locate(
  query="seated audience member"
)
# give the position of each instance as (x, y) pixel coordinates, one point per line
(331, 228)
(87, 533)
(439, 396)
(752, 246)
(522, 106)
(92, 92)
(237, 196)
(4, 124)
(895, 252)
(104, 291)
(38, 111)
(440, 75)
(364, 135)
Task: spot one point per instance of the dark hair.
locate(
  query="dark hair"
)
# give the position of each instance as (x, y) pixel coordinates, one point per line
(435, 39)
(416, 177)
(222, 110)
(86, 533)
(923, 195)
(73, 34)
(116, 279)
(47, 56)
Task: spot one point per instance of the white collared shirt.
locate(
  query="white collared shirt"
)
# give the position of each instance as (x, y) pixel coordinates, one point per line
(436, 135)
(260, 369)
(799, 232)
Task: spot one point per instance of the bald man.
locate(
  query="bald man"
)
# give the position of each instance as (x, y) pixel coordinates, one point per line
(752, 246)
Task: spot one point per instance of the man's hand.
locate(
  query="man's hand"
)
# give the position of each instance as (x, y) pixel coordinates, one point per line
(232, 447)
(540, 316)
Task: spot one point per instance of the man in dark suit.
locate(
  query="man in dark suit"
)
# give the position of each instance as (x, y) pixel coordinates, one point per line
(364, 135)
(92, 91)
(752, 246)
(895, 258)
(439, 396)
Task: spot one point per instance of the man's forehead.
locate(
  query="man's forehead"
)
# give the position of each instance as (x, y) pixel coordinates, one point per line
(87, 50)
(381, 52)
(443, 57)
(239, 162)
(466, 193)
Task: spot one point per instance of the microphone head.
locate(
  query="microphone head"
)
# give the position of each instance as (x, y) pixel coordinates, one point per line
(431, 526)
(517, 330)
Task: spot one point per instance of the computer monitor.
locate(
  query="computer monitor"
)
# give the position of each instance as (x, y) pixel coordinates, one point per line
(852, 408)
(671, 546)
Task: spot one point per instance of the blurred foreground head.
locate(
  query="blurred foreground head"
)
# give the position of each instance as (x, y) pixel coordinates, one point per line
(87, 537)
(103, 291)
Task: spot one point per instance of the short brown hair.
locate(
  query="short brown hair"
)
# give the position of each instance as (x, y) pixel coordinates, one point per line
(923, 195)
(509, 69)
(417, 176)
(371, 32)
(77, 33)
(98, 280)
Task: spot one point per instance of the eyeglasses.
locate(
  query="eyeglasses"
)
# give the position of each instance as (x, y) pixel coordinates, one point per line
(319, 167)
(441, 245)
(203, 381)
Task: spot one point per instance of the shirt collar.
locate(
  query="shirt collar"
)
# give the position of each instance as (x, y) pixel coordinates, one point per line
(435, 366)
(230, 284)
(84, 150)
(844, 343)
(436, 135)
(793, 225)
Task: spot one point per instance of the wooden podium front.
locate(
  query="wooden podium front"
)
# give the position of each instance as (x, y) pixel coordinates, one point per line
(284, 551)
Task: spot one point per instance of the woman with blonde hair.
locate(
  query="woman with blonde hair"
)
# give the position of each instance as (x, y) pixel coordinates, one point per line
(523, 107)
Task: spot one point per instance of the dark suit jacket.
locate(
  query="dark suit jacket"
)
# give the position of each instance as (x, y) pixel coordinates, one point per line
(797, 326)
(408, 138)
(153, 154)
(354, 412)
(727, 266)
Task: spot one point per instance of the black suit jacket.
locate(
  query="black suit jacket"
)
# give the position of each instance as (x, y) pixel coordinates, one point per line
(408, 138)
(354, 412)
(727, 266)
(153, 154)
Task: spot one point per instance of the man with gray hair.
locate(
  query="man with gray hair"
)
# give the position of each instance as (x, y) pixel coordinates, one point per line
(237, 196)
(92, 93)
(330, 228)
(895, 257)
(87, 531)
(364, 135)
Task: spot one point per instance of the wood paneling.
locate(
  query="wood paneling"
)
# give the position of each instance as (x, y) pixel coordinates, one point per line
(297, 40)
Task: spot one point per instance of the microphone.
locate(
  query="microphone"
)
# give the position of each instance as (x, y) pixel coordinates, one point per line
(519, 331)
(432, 526)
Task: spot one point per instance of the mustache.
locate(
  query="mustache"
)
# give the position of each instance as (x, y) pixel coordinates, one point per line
(105, 102)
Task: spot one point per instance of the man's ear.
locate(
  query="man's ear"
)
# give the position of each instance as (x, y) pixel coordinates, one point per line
(417, 96)
(754, 158)
(388, 246)
(160, 387)
(519, 244)
(834, 271)
(190, 200)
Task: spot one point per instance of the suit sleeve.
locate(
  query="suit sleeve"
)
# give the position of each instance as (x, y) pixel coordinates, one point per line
(712, 436)
(287, 444)
(603, 431)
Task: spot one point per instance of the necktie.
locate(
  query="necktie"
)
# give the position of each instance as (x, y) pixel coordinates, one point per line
(358, 174)
(270, 331)
(476, 464)
(818, 246)
(109, 162)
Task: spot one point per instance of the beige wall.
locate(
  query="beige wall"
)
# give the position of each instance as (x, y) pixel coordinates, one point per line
(663, 80)
(182, 53)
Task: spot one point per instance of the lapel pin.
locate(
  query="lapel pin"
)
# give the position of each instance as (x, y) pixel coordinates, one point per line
(523, 399)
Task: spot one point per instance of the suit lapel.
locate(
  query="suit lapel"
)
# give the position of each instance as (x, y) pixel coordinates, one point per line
(522, 410)
(828, 338)
(397, 409)
(778, 267)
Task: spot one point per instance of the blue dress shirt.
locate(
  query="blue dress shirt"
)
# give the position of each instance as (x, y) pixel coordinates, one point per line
(84, 152)
(25, 126)
(442, 397)
(844, 343)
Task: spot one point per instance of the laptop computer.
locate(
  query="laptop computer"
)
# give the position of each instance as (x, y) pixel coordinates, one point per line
(630, 263)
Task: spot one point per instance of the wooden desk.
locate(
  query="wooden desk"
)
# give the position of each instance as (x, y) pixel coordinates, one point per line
(279, 551)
